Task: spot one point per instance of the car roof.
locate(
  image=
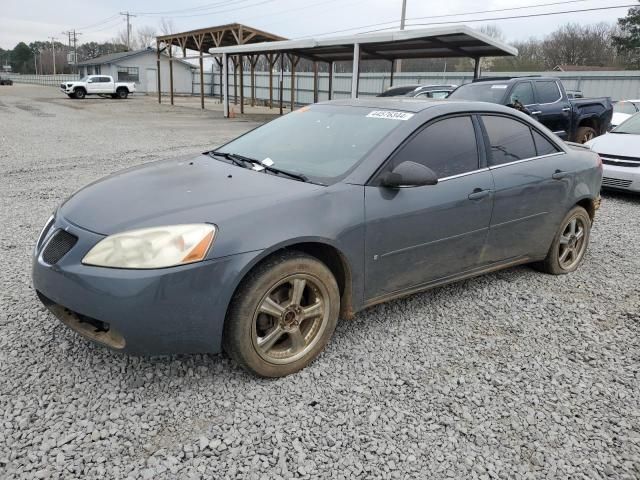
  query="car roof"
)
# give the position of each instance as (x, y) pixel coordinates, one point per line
(415, 105)
(511, 79)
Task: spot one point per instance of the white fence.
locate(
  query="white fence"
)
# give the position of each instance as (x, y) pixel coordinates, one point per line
(46, 80)
(618, 85)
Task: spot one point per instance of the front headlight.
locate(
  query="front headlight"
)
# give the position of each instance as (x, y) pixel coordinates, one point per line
(155, 247)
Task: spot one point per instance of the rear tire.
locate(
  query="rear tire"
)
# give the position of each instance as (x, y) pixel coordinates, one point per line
(569, 245)
(122, 93)
(282, 315)
(584, 134)
(79, 93)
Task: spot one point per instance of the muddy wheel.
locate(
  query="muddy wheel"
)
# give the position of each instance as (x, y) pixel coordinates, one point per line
(570, 243)
(79, 93)
(584, 134)
(282, 315)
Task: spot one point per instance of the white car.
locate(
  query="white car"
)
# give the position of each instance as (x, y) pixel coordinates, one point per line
(624, 109)
(620, 153)
(97, 85)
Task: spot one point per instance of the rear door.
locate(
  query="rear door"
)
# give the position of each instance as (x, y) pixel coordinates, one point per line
(418, 235)
(531, 188)
(106, 85)
(553, 110)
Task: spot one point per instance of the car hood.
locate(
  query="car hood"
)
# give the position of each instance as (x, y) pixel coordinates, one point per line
(618, 118)
(190, 189)
(616, 144)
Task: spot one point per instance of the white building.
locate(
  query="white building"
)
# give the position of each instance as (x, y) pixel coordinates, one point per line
(140, 66)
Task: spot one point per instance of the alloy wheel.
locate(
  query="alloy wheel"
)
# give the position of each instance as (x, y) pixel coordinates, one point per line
(572, 243)
(290, 319)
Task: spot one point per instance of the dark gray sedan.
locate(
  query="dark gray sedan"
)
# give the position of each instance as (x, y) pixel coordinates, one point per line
(259, 246)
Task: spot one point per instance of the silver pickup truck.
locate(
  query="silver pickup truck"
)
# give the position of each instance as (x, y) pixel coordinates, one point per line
(97, 85)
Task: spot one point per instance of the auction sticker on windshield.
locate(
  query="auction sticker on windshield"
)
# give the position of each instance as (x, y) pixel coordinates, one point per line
(390, 115)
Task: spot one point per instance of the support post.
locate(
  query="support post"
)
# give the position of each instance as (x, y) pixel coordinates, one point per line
(202, 81)
(281, 79)
(293, 82)
(241, 73)
(355, 76)
(270, 62)
(253, 79)
(171, 75)
(224, 85)
(393, 68)
(330, 80)
(476, 68)
(235, 79)
(158, 73)
(315, 82)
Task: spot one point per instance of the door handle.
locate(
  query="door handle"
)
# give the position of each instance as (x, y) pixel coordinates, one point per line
(559, 175)
(537, 112)
(566, 109)
(478, 193)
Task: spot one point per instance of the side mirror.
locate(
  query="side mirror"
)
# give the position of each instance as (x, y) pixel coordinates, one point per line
(409, 174)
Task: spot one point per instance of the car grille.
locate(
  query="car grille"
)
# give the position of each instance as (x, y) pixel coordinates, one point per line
(619, 160)
(615, 182)
(59, 245)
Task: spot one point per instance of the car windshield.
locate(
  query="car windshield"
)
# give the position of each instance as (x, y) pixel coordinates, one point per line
(480, 92)
(84, 79)
(321, 142)
(624, 107)
(630, 126)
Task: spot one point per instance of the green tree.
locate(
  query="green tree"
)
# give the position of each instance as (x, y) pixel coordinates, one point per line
(628, 42)
(22, 58)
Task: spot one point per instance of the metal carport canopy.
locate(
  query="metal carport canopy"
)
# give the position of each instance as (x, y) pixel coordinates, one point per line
(440, 42)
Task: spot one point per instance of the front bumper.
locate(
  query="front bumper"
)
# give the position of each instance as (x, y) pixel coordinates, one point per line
(149, 312)
(621, 178)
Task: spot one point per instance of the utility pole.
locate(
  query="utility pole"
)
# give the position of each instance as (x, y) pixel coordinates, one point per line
(73, 38)
(128, 15)
(53, 53)
(402, 20)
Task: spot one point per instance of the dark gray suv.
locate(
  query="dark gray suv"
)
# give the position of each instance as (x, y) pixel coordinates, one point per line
(259, 246)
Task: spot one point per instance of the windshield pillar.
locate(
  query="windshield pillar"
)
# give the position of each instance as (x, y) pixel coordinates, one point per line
(476, 68)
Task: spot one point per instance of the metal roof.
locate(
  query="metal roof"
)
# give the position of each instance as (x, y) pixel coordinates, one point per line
(454, 41)
(114, 57)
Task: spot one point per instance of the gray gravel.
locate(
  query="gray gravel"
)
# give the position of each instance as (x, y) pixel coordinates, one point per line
(513, 375)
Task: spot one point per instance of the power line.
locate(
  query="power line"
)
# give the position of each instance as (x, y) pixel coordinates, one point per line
(201, 7)
(473, 20)
(95, 24)
(217, 11)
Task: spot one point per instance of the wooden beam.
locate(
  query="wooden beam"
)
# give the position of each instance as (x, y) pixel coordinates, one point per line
(224, 86)
(252, 77)
(271, 62)
(171, 75)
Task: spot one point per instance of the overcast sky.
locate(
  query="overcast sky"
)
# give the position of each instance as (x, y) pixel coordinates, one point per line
(29, 20)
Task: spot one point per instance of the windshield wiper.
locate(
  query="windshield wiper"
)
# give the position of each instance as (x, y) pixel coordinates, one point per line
(237, 159)
(620, 133)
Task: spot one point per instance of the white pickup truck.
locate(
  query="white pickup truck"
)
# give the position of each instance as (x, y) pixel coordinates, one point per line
(97, 85)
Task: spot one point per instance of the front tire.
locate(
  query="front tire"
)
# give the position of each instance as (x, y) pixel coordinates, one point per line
(282, 315)
(584, 134)
(570, 243)
(79, 93)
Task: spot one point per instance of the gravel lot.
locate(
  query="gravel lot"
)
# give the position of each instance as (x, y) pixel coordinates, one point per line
(512, 375)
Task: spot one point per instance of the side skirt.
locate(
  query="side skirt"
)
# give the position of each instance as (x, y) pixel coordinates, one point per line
(446, 280)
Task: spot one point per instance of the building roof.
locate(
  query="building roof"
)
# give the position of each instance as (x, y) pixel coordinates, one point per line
(115, 57)
(440, 42)
(203, 39)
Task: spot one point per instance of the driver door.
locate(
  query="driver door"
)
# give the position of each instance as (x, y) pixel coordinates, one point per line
(93, 85)
(419, 235)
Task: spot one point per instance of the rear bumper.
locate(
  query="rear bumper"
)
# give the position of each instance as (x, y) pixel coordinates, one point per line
(150, 312)
(621, 178)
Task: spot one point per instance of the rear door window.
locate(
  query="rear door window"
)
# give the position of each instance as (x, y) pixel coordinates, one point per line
(543, 145)
(523, 93)
(548, 91)
(448, 147)
(510, 140)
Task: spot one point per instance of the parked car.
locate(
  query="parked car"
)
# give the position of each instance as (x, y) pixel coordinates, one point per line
(6, 81)
(258, 246)
(623, 110)
(545, 99)
(103, 85)
(419, 91)
(620, 153)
